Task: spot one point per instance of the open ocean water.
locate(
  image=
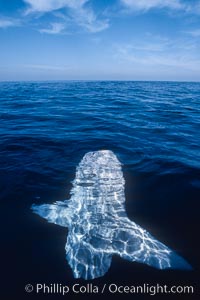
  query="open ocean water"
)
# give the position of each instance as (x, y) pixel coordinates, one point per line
(47, 127)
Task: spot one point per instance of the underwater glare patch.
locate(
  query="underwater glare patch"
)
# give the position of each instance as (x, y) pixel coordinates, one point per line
(98, 226)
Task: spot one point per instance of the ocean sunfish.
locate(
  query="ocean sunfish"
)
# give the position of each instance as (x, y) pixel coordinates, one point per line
(98, 226)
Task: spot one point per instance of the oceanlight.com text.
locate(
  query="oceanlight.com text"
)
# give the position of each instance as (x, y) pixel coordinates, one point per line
(112, 288)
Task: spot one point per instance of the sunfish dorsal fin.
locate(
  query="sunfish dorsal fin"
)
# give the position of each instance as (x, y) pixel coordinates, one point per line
(133, 243)
(58, 213)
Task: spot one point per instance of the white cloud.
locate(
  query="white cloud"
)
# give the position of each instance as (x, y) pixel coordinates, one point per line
(79, 14)
(194, 33)
(87, 19)
(55, 28)
(193, 8)
(5, 22)
(50, 68)
(145, 5)
(167, 55)
(51, 5)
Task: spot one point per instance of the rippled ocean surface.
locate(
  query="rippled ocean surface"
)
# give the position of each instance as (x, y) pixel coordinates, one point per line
(47, 127)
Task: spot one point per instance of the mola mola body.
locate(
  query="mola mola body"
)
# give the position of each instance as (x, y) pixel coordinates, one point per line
(98, 226)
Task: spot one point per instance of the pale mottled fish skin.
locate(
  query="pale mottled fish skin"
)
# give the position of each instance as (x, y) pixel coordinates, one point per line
(97, 223)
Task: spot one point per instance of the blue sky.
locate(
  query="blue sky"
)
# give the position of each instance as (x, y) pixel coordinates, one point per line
(100, 40)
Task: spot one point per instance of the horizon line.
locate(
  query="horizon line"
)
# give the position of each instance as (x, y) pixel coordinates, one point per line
(97, 80)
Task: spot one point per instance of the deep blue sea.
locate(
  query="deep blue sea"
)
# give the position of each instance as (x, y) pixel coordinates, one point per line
(47, 127)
